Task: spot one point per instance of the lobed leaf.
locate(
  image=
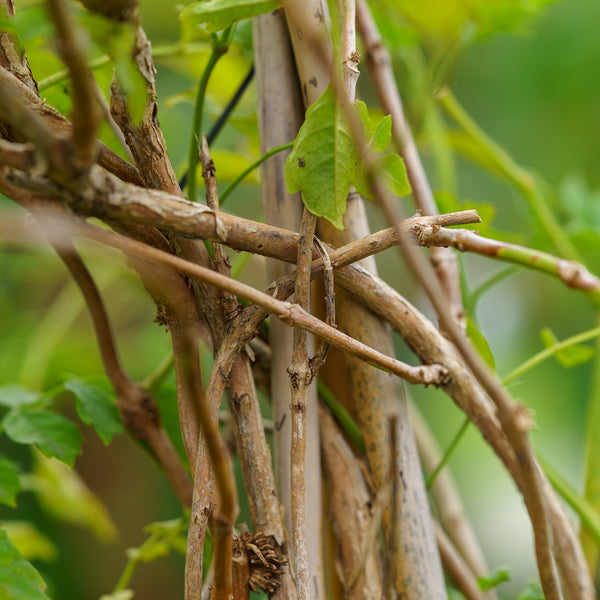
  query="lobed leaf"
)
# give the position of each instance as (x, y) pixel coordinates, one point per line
(96, 407)
(324, 161)
(52, 433)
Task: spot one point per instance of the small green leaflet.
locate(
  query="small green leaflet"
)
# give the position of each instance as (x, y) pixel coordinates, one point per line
(567, 357)
(217, 15)
(478, 340)
(9, 482)
(494, 579)
(18, 578)
(96, 407)
(52, 433)
(323, 162)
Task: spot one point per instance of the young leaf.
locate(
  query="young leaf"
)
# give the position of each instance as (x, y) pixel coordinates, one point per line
(30, 541)
(494, 579)
(217, 15)
(383, 134)
(65, 496)
(394, 172)
(533, 591)
(323, 161)
(567, 357)
(9, 482)
(18, 578)
(96, 407)
(480, 343)
(52, 433)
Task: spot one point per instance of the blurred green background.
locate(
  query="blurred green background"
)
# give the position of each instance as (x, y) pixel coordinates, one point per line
(536, 91)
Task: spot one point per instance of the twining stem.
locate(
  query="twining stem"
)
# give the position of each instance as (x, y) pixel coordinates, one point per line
(541, 356)
(158, 51)
(219, 48)
(451, 448)
(590, 518)
(231, 187)
(526, 182)
(570, 272)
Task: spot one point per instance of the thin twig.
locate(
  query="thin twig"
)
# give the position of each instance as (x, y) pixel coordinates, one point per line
(137, 407)
(463, 577)
(289, 313)
(572, 273)
(86, 115)
(380, 68)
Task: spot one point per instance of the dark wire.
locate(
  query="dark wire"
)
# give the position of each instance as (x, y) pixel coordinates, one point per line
(218, 125)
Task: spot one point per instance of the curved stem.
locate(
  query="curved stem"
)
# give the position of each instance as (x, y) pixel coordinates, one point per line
(251, 168)
(220, 47)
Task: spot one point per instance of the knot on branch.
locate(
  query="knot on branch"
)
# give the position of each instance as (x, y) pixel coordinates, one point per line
(139, 412)
(265, 560)
(576, 275)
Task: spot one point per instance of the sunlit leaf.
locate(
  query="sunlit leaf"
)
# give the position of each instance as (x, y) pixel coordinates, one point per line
(9, 482)
(30, 541)
(217, 15)
(96, 407)
(29, 24)
(19, 580)
(323, 161)
(64, 495)
(570, 356)
(52, 433)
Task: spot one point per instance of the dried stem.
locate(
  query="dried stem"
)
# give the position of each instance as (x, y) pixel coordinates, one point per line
(463, 577)
(357, 561)
(380, 68)
(301, 375)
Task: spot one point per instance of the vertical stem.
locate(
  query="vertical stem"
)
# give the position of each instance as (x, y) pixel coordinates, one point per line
(301, 375)
(592, 463)
(219, 48)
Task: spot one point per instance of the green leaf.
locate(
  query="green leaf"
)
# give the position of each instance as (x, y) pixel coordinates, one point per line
(382, 135)
(52, 433)
(9, 482)
(217, 15)
(533, 591)
(30, 23)
(30, 541)
(323, 161)
(394, 173)
(567, 357)
(18, 578)
(480, 343)
(14, 395)
(96, 407)
(363, 114)
(494, 579)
